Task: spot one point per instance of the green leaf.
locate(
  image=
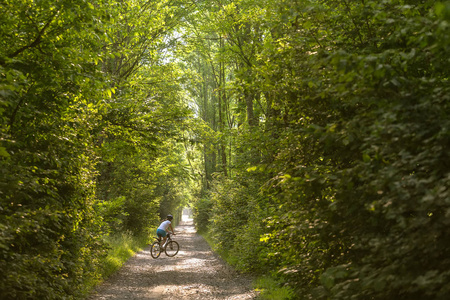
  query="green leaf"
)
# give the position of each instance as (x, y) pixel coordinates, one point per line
(3, 152)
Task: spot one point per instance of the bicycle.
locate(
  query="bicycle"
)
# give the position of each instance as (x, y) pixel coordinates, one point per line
(170, 247)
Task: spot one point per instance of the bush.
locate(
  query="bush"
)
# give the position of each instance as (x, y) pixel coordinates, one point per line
(202, 214)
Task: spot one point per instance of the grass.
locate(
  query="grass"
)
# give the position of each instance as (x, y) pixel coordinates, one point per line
(122, 247)
(271, 289)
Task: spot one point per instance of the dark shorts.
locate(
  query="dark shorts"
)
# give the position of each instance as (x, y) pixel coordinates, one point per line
(161, 233)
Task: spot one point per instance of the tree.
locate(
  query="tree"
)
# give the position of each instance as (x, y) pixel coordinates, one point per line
(80, 125)
(49, 82)
(350, 140)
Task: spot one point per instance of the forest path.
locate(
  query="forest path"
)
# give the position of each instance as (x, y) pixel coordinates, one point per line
(194, 273)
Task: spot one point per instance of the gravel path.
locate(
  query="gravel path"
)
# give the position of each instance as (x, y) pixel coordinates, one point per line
(194, 273)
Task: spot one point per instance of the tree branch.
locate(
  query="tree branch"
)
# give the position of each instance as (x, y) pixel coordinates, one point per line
(36, 41)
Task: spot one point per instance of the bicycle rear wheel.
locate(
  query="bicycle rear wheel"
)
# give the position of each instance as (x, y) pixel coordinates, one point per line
(155, 251)
(172, 248)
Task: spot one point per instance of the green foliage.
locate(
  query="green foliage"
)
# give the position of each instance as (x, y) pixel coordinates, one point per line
(121, 247)
(270, 289)
(229, 213)
(326, 157)
(349, 147)
(139, 156)
(82, 130)
(202, 213)
(113, 213)
(50, 235)
(248, 253)
(354, 211)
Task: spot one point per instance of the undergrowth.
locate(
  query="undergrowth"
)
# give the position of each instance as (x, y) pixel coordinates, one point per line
(122, 246)
(268, 287)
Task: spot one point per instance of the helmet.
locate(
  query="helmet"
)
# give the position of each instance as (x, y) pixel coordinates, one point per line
(169, 217)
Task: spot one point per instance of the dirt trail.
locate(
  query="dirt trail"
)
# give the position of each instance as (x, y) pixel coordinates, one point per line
(194, 273)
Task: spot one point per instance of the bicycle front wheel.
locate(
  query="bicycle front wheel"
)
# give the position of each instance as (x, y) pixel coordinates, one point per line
(155, 251)
(172, 248)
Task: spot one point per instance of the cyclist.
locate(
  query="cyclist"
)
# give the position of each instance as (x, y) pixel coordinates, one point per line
(161, 232)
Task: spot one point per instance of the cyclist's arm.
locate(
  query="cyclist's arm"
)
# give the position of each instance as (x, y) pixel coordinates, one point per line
(171, 228)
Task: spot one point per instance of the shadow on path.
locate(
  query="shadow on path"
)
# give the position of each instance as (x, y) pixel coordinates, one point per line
(194, 273)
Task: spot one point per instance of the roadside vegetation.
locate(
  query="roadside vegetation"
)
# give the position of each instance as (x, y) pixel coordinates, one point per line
(329, 172)
(121, 248)
(310, 137)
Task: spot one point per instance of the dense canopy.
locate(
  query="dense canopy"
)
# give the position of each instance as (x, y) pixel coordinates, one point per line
(311, 138)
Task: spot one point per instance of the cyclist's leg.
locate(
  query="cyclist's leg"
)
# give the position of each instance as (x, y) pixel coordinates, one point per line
(162, 234)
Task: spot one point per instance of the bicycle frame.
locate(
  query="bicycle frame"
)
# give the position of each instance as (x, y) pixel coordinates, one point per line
(173, 247)
(159, 239)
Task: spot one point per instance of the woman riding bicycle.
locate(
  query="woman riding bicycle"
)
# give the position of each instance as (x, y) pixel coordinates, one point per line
(161, 232)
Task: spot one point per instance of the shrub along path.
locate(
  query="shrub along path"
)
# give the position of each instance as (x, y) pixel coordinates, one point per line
(194, 273)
